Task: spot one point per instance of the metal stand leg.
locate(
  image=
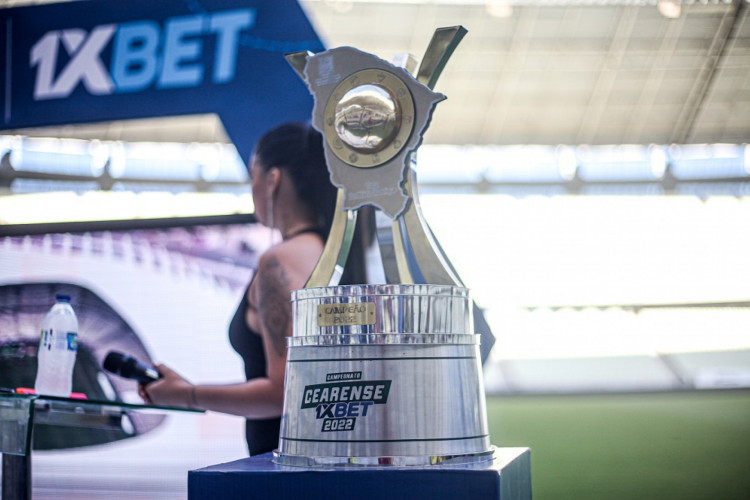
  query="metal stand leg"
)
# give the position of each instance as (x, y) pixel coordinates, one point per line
(16, 477)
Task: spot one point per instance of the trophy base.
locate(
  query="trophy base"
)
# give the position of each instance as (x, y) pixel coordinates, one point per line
(353, 462)
(377, 399)
(383, 375)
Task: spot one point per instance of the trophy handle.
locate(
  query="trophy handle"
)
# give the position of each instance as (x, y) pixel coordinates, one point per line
(298, 60)
(444, 42)
(411, 242)
(331, 263)
(330, 266)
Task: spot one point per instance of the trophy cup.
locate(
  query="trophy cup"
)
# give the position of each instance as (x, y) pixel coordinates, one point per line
(386, 374)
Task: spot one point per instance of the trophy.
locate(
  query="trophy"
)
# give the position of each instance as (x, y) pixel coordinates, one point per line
(381, 374)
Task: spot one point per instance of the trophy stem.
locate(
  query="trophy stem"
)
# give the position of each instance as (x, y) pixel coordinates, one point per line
(330, 266)
(427, 254)
(392, 250)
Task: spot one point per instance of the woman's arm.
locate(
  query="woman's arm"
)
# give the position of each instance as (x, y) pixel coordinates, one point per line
(263, 397)
(255, 398)
(280, 270)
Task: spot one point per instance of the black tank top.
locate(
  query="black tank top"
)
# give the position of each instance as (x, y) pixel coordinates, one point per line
(262, 435)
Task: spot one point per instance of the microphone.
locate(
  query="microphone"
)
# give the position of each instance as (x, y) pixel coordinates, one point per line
(128, 367)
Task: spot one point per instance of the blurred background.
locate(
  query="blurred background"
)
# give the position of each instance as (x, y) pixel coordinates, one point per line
(588, 176)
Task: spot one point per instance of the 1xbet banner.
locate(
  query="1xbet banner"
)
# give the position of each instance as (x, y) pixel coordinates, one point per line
(101, 60)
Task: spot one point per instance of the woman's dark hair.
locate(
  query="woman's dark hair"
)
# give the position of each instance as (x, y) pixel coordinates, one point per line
(298, 148)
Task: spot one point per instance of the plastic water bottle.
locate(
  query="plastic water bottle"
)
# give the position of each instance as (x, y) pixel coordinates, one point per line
(58, 346)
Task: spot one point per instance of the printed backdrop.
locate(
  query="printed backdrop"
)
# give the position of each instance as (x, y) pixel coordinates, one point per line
(101, 60)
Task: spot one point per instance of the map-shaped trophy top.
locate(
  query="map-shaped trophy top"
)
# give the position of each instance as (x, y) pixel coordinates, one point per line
(373, 115)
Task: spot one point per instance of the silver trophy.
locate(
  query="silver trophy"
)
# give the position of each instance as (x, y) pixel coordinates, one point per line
(390, 374)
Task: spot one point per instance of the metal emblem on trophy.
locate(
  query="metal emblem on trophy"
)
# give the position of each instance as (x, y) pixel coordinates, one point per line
(381, 374)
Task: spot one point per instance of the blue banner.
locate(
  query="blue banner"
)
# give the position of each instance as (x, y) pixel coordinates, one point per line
(103, 60)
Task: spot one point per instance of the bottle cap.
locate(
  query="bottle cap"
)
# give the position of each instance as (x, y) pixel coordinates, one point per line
(61, 297)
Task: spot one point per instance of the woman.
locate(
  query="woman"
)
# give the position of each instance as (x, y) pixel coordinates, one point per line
(292, 193)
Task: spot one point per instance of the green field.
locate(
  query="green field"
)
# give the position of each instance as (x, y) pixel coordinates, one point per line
(683, 445)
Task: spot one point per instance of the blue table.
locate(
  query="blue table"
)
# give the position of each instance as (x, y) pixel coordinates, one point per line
(507, 477)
